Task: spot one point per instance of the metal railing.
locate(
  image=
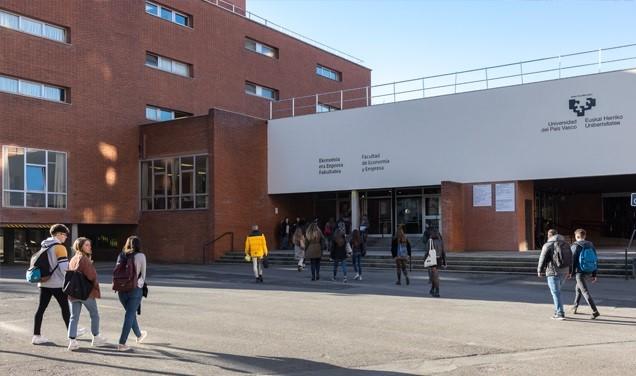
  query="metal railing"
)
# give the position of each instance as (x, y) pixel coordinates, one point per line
(537, 70)
(256, 18)
(207, 244)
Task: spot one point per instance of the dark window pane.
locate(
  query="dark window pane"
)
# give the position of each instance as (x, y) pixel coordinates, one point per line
(201, 174)
(36, 157)
(57, 172)
(186, 182)
(160, 166)
(35, 200)
(160, 203)
(14, 198)
(173, 203)
(187, 202)
(57, 201)
(187, 163)
(152, 60)
(160, 185)
(202, 201)
(146, 179)
(146, 204)
(14, 175)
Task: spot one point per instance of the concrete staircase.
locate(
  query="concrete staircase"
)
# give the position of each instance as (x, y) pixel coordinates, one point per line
(472, 262)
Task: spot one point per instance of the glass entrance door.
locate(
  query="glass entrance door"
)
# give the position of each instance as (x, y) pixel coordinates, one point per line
(409, 214)
(379, 213)
(432, 213)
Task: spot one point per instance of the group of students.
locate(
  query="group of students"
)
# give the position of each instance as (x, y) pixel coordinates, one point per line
(312, 243)
(560, 261)
(55, 283)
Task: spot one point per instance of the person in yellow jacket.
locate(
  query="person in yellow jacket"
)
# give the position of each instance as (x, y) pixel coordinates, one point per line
(256, 250)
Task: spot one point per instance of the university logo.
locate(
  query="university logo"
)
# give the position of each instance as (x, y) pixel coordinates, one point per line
(579, 106)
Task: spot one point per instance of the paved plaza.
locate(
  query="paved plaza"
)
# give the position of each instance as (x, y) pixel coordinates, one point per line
(214, 320)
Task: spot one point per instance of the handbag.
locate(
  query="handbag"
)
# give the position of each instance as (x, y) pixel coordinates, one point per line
(431, 259)
(76, 285)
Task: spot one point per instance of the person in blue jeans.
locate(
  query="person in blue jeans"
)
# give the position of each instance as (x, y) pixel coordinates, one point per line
(131, 300)
(359, 249)
(340, 249)
(554, 275)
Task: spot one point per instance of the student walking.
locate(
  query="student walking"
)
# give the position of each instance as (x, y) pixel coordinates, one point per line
(340, 250)
(82, 262)
(256, 249)
(401, 252)
(314, 248)
(584, 265)
(554, 263)
(285, 233)
(299, 248)
(359, 250)
(57, 256)
(436, 243)
(131, 258)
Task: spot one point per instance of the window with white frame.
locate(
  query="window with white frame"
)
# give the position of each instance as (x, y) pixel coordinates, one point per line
(164, 114)
(31, 26)
(33, 178)
(261, 91)
(328, 73)
(167, 14)
(321, 107)
(19, 86)
(168, 65)
(178, 183)
(261, 48)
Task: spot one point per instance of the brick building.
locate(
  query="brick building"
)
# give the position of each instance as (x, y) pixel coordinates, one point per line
(78, 81)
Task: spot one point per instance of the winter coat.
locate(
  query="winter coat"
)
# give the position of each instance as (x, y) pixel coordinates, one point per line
(546, 264)
(256, 245)
(314, 249)
(58, 256)
(340, 252)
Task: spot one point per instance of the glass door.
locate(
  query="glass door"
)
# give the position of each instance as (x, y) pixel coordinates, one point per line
(432, 214)
(379, 213)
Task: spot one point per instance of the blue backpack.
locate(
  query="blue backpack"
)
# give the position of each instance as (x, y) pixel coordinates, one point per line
(588, 262)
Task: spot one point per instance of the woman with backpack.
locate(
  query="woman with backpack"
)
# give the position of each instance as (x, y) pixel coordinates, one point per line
(82, 262)
(401, 252)
(130, 257)
(358, 249)
(299, 248)
(435, 242)
(313, 249)
(340, 250)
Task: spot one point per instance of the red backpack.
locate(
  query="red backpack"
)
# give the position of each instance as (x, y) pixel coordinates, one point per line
(125, 273)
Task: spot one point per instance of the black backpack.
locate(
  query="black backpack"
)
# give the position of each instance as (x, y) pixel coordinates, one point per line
(561, 254)
(39, 267)
(76, 285)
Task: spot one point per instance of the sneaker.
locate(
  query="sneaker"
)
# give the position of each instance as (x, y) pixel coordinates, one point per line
(143, 336)
(123, 348)
(300, 268)
(558, 317)
(313, 278)
(38, 340)
(260, 278)
(73, 345)
(333, 278)
(81, 332)
(574, 309)
(99, 340)
(344, 280)
(356, 277)
(408, 281)
(595, 315)
(360, 278)
(257, 280)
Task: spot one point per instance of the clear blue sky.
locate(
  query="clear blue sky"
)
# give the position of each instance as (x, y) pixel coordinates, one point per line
(401, 39)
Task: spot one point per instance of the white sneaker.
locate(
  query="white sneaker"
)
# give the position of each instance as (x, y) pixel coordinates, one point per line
(356, 277)
(73, 345)
(81, 332)
(143, 336)
(99, 340)
(122, 348)
(38, 340)
(360, 278)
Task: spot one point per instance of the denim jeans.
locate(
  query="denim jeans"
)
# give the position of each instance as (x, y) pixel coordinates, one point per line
(554, 282)
(343, 266)
(356, 259)
(76, 309)
(130, 300)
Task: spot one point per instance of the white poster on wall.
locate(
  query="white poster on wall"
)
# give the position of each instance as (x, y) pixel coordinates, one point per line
(505, 197)
(482, 195)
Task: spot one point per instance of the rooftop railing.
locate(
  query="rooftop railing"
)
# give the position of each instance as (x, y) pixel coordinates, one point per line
(256, 18)
(524, 72)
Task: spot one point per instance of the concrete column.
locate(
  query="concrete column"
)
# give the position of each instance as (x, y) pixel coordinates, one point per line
(355, 210)
(74, 232)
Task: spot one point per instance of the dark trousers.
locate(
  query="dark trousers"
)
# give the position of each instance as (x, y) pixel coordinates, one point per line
(434, 276)
(315, 267)
(45, 297)
(400, 266)
(581, 290)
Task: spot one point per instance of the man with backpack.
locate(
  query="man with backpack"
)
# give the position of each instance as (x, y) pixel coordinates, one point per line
(554, 263)
(584, 263)
(51, 263)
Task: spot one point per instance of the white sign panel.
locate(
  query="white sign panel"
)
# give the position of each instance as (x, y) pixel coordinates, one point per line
(501, 134)
(482, 195)
(505, 197)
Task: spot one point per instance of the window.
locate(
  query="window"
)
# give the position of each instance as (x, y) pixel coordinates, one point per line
(321, 107)
(31, 26)
(261, 91)
(32, 89)
(261, 48)
(168, 65)
(33, 178)
(177, 183)
(328, 73)
(163, 114)
(167, 14)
